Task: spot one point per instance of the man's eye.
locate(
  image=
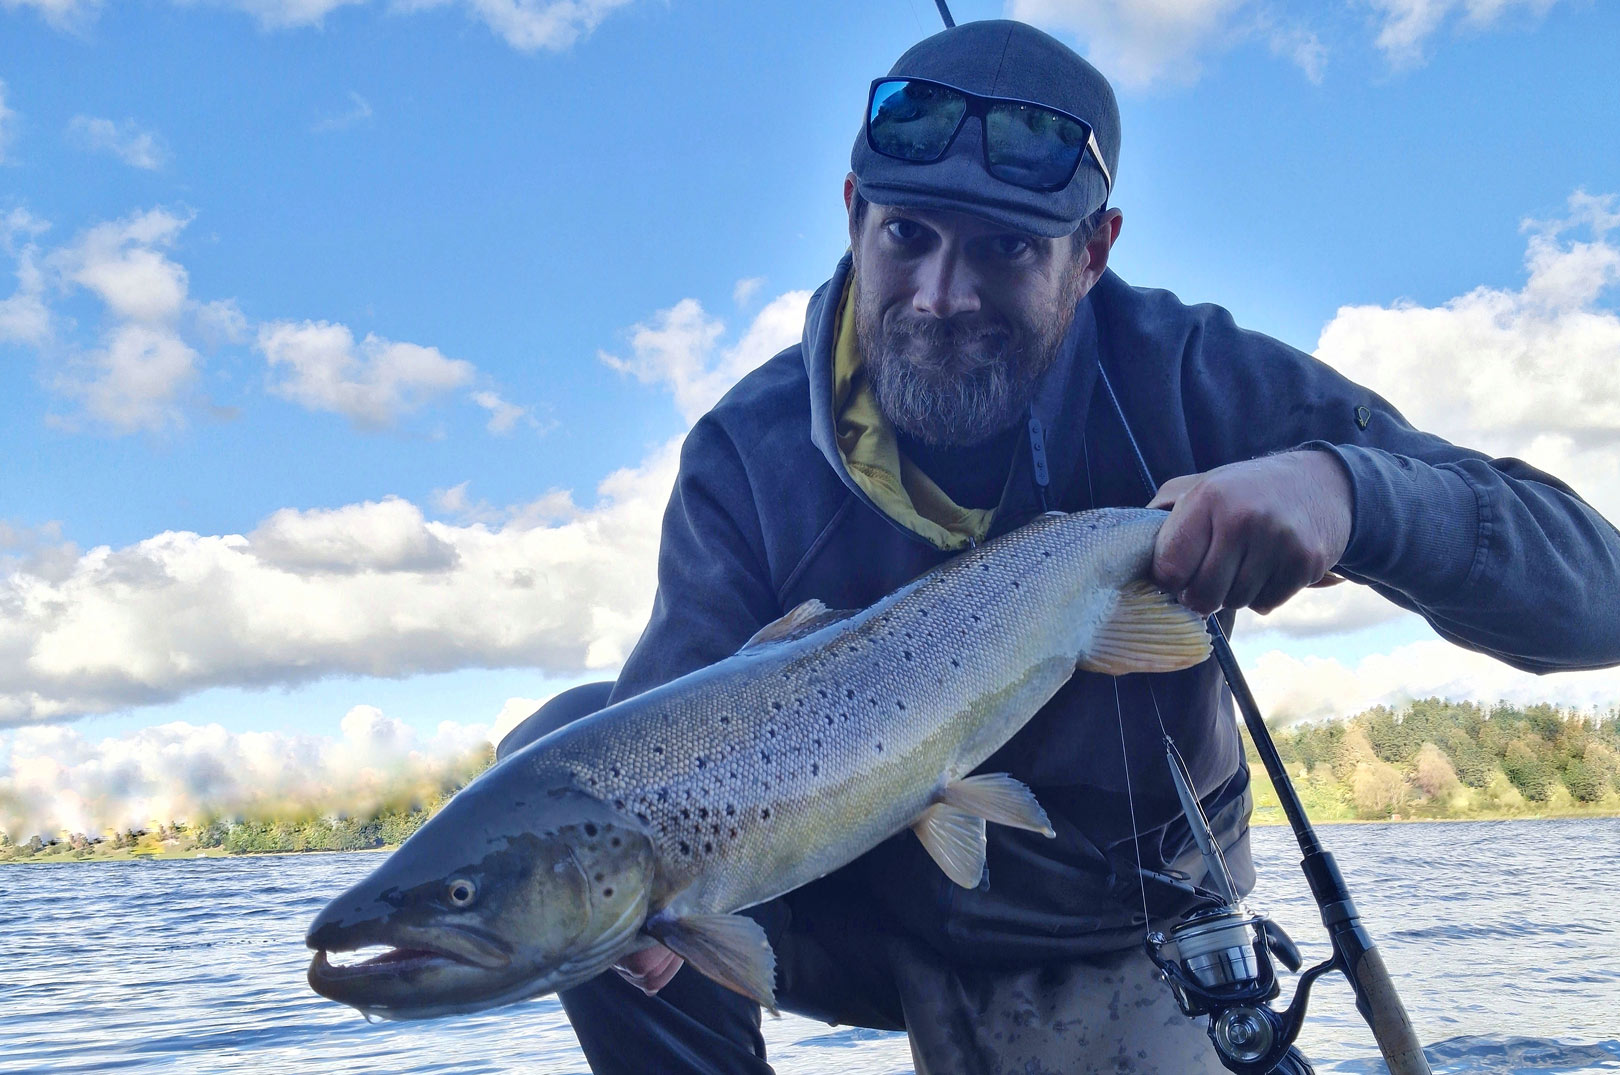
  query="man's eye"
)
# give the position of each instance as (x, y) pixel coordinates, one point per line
(904, 231)
(1009, 246)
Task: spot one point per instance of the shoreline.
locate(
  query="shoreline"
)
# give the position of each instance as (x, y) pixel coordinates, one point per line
(1266, 817)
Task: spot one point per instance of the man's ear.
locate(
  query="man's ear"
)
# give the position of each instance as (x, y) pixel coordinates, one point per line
(1098, 247)
(849, 207)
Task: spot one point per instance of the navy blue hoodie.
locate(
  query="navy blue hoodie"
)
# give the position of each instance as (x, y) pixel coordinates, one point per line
(1497, 556)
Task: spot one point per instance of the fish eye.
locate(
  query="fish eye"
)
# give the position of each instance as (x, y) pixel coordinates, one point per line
(461, 892)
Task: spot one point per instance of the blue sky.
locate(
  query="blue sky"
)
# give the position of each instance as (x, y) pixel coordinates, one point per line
(359, 303)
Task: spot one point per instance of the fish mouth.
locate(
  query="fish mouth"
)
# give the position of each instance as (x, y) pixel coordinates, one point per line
(394, 965)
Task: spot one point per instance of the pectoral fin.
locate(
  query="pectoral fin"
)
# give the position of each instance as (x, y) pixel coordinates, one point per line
(804, 618)
(954, 839)
(1000, 798)
(1148, 631)
(730, 948)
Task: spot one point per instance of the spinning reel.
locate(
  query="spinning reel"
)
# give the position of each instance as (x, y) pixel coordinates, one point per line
(1218, 962)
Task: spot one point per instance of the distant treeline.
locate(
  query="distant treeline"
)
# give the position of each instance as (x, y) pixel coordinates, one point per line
(1431, 759)
(1436, 759)
(399, 815)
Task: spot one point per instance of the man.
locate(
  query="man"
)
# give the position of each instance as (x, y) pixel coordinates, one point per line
(969, 365)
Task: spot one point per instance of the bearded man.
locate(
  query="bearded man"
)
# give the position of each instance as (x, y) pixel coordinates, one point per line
(971, 364)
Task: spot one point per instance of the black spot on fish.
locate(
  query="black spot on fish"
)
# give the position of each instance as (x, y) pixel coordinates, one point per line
(590, 829)
(731, 810)
(615, 771)
(1016, 586)
(599, 876)
(686, 815)
(716, 828)
(906, 654)
(643, 818)
(618, 804)
(708, 847)
(615, 842)
(849, 693)
(777, 706)
(765, 756)
(822, 691)
(686, 848)
(703, 812)
(899, 703)
(1046, 555)
(663, 795)
(725, 720)
(658, 750)
(955, 663)
(607, 893)
(880, 748)
(815, 768)
(733, 834)
(829, 720)
(975, 617)
(771, 732)
(765, 814)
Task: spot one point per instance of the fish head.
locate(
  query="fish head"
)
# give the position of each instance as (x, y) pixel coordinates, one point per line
(502, 895)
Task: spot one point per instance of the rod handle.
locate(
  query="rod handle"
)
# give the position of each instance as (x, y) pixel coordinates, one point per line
(1375, 996)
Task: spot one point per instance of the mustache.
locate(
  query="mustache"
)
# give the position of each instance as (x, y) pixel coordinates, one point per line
(944, 340)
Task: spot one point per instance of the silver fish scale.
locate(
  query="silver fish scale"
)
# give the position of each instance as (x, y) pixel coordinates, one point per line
(785, 761)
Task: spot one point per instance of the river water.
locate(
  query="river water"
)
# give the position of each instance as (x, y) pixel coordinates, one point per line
(1504, 939)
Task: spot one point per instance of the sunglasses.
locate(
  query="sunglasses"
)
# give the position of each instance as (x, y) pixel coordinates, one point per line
(1027, 144)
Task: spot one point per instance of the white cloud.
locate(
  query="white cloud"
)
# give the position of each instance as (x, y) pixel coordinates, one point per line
(133, 379)
(372, 384)
(358, 112)
(527, 25)
(391, 535)
(365, 589)
(8, 123)
(1405, 25)
(374, 588)
(681, 349)
(503, 416)
(125, 140)
(1290, 689)
(1530, 373)
(57, 780)
(1139, 42)
(66, 14)
(530, 25)
(746, 289)
(24, 316)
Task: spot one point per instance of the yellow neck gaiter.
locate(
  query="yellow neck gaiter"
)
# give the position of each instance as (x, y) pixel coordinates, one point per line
(872, 456)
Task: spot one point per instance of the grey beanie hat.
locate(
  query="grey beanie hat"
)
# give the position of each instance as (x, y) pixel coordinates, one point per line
(998, 58)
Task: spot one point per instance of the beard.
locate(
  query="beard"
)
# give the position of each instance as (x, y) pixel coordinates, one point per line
(960, 381)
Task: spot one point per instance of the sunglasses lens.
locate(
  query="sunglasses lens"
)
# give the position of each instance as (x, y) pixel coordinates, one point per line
(1033, 147)
(914, 120)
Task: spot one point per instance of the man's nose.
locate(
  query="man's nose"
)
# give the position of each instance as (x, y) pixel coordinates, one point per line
(946, 286)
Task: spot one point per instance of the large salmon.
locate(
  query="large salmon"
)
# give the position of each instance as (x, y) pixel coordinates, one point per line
(660, 817)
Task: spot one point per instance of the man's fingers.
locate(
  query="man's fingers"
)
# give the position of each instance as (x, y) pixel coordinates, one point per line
(1182, 545)
(1330, 579)
(1173, 490)
(650, 969)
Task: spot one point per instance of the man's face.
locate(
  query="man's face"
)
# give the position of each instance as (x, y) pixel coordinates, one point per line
(958, 317)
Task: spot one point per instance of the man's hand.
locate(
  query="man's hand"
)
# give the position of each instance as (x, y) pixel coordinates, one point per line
(1252, 534)
(650, 969)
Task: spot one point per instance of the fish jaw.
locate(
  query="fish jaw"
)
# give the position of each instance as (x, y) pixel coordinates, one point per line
(494, 900)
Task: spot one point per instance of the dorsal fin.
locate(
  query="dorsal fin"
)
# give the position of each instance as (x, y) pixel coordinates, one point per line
(810, 616)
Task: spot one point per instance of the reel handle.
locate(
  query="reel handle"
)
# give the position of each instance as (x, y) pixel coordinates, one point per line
(1376, 997)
